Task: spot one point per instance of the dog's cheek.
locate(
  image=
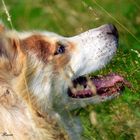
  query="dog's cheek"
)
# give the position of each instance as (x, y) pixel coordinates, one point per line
(61, 61)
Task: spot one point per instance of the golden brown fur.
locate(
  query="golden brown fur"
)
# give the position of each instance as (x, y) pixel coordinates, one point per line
(20, 116)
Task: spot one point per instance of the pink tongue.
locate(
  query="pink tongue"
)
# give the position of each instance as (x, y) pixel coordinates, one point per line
(107, 81)
(105, 85)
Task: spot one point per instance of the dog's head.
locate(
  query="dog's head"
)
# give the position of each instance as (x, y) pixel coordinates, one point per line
(53, 61)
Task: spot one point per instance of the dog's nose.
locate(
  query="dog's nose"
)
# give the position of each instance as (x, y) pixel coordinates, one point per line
(113, 31)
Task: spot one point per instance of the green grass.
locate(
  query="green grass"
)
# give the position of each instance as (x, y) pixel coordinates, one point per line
(118, 119)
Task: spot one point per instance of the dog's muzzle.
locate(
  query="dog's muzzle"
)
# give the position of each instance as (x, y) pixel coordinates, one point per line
(94, 49)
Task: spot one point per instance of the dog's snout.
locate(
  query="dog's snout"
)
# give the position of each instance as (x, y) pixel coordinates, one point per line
(113, 31)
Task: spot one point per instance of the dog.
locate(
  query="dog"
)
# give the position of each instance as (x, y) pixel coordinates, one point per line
(36, 70)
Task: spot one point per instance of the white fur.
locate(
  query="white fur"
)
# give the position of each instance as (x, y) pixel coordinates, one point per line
(94, 48)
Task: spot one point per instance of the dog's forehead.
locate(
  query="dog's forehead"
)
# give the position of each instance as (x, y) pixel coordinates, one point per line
(50, 35)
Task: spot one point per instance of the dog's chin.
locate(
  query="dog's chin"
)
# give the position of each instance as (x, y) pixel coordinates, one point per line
(98, 87)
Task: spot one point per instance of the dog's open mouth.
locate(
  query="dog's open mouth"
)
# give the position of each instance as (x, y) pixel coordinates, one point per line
(104, 86)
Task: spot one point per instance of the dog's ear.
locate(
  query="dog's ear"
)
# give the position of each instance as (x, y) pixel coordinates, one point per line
(2, 27)
(11, 55)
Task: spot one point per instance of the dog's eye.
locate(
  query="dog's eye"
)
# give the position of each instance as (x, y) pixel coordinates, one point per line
(60, 49)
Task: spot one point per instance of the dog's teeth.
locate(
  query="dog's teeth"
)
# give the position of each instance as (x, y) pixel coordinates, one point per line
(87, 88)
(92, 87)
(73, 90)
(79, 87)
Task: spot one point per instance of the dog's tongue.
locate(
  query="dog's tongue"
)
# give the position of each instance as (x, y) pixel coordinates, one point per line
(108, 81)
(103, 85)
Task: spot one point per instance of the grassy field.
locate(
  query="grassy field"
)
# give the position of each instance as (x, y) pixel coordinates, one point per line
(118, 119)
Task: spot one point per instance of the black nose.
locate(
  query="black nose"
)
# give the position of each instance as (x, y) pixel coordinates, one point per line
(113, 31)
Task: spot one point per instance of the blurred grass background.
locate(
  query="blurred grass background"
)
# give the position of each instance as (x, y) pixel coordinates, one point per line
(118, 119)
